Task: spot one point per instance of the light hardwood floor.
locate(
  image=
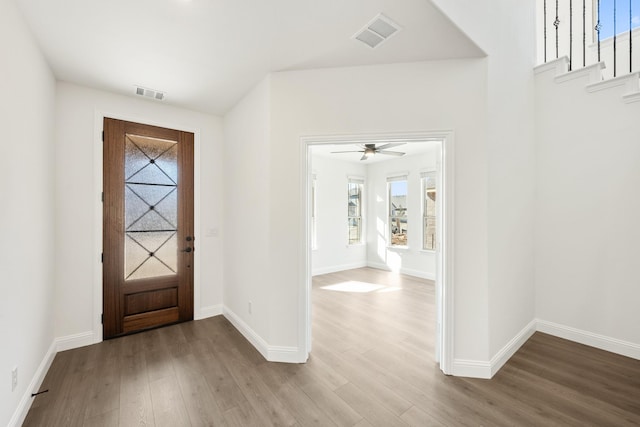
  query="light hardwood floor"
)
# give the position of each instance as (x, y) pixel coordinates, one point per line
(371, 365)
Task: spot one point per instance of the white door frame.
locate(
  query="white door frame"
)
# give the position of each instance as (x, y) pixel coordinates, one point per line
(444, 267)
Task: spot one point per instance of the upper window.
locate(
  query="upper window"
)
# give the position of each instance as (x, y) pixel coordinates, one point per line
(397, 187)
(429, 211)
(617, 18)
(354, 208)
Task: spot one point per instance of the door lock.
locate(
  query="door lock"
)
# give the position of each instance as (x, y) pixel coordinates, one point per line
(187, 250)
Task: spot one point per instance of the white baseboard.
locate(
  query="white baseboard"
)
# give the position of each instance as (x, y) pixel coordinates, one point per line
(74, 341)
(487, 369)
(255, 339)
(336, 268)
(417, 273)
(284, 354)
(471, 368)
(614, 345)
(210, 311)
(270, 353)
(25, 403)
(502, 356)
(407, 271)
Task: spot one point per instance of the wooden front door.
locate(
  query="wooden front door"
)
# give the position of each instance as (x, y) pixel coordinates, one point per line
(148, 227)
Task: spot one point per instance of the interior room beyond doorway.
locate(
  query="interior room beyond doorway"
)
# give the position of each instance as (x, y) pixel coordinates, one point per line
(373, 226)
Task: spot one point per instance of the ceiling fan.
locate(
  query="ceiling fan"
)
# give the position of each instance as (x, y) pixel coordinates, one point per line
(369, 150)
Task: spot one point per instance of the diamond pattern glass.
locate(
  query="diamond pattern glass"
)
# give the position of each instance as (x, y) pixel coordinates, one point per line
(151, 207)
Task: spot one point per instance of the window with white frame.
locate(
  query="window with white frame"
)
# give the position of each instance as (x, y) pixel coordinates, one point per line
(354, 208)
(428, 211)
(397, 191)
(314, 234)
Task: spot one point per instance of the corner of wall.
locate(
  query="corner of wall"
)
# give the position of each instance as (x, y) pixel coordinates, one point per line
(271, 353)
(22, 410)
(487, 369)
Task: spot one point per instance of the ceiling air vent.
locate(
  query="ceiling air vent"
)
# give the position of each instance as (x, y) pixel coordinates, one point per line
(150, 93)
(379, 30)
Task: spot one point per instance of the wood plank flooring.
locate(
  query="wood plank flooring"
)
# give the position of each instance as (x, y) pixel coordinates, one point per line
(371, 365)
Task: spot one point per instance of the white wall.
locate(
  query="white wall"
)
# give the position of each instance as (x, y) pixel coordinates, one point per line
(471, 16)
(78, 207)
(400, 97)
(412, 260)
(333, 253)
(587, 210)
(27, 212)
(506, 31)
(247, 199)
(511, 151)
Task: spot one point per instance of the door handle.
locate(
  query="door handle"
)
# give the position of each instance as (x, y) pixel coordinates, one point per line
(187, 250)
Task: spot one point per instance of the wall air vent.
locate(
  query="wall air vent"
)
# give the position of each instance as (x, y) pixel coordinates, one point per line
(150, 93)
(379, 30)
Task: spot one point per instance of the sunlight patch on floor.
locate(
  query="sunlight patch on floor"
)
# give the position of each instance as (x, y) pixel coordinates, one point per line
(359, 287)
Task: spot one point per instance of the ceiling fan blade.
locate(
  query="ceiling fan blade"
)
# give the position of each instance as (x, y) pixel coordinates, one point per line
(359, 151)
(390, 145)
(364, 157)
(391, 153)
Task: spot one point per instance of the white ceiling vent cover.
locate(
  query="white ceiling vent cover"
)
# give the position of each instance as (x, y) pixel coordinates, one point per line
(379, 30)
(150, 93)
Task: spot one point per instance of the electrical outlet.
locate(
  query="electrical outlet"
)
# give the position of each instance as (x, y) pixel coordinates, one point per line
(14, 378)
(249, 307)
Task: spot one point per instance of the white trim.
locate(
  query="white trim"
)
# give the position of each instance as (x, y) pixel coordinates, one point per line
(284, 354)
(401, 248)
(631, 81)
(471, 368)
(559, 65)
(270, 353)
(417, 273)
(502, 356)
(305, 249)
(246, 331)
(445, 265)
(613, 345)
(99, 116)
(24, 405)
(406, 271)
(372, 138)
(398, 176)
(593, 72)
(341, 267)
(631, 97)
(444, 290)
(210, 311)
(487, 369)
(75, 341)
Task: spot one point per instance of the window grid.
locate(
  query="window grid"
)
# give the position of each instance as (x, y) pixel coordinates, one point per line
(429, 211)
(354, 211)
(398, 222)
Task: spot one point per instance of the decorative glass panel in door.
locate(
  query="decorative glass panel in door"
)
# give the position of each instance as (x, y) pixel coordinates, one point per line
(151, 207)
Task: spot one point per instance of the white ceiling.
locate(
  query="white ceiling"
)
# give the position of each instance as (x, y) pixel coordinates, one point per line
(206, 54)
(410, 149)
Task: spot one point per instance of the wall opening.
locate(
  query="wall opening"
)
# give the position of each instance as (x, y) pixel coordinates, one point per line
(379, 254)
